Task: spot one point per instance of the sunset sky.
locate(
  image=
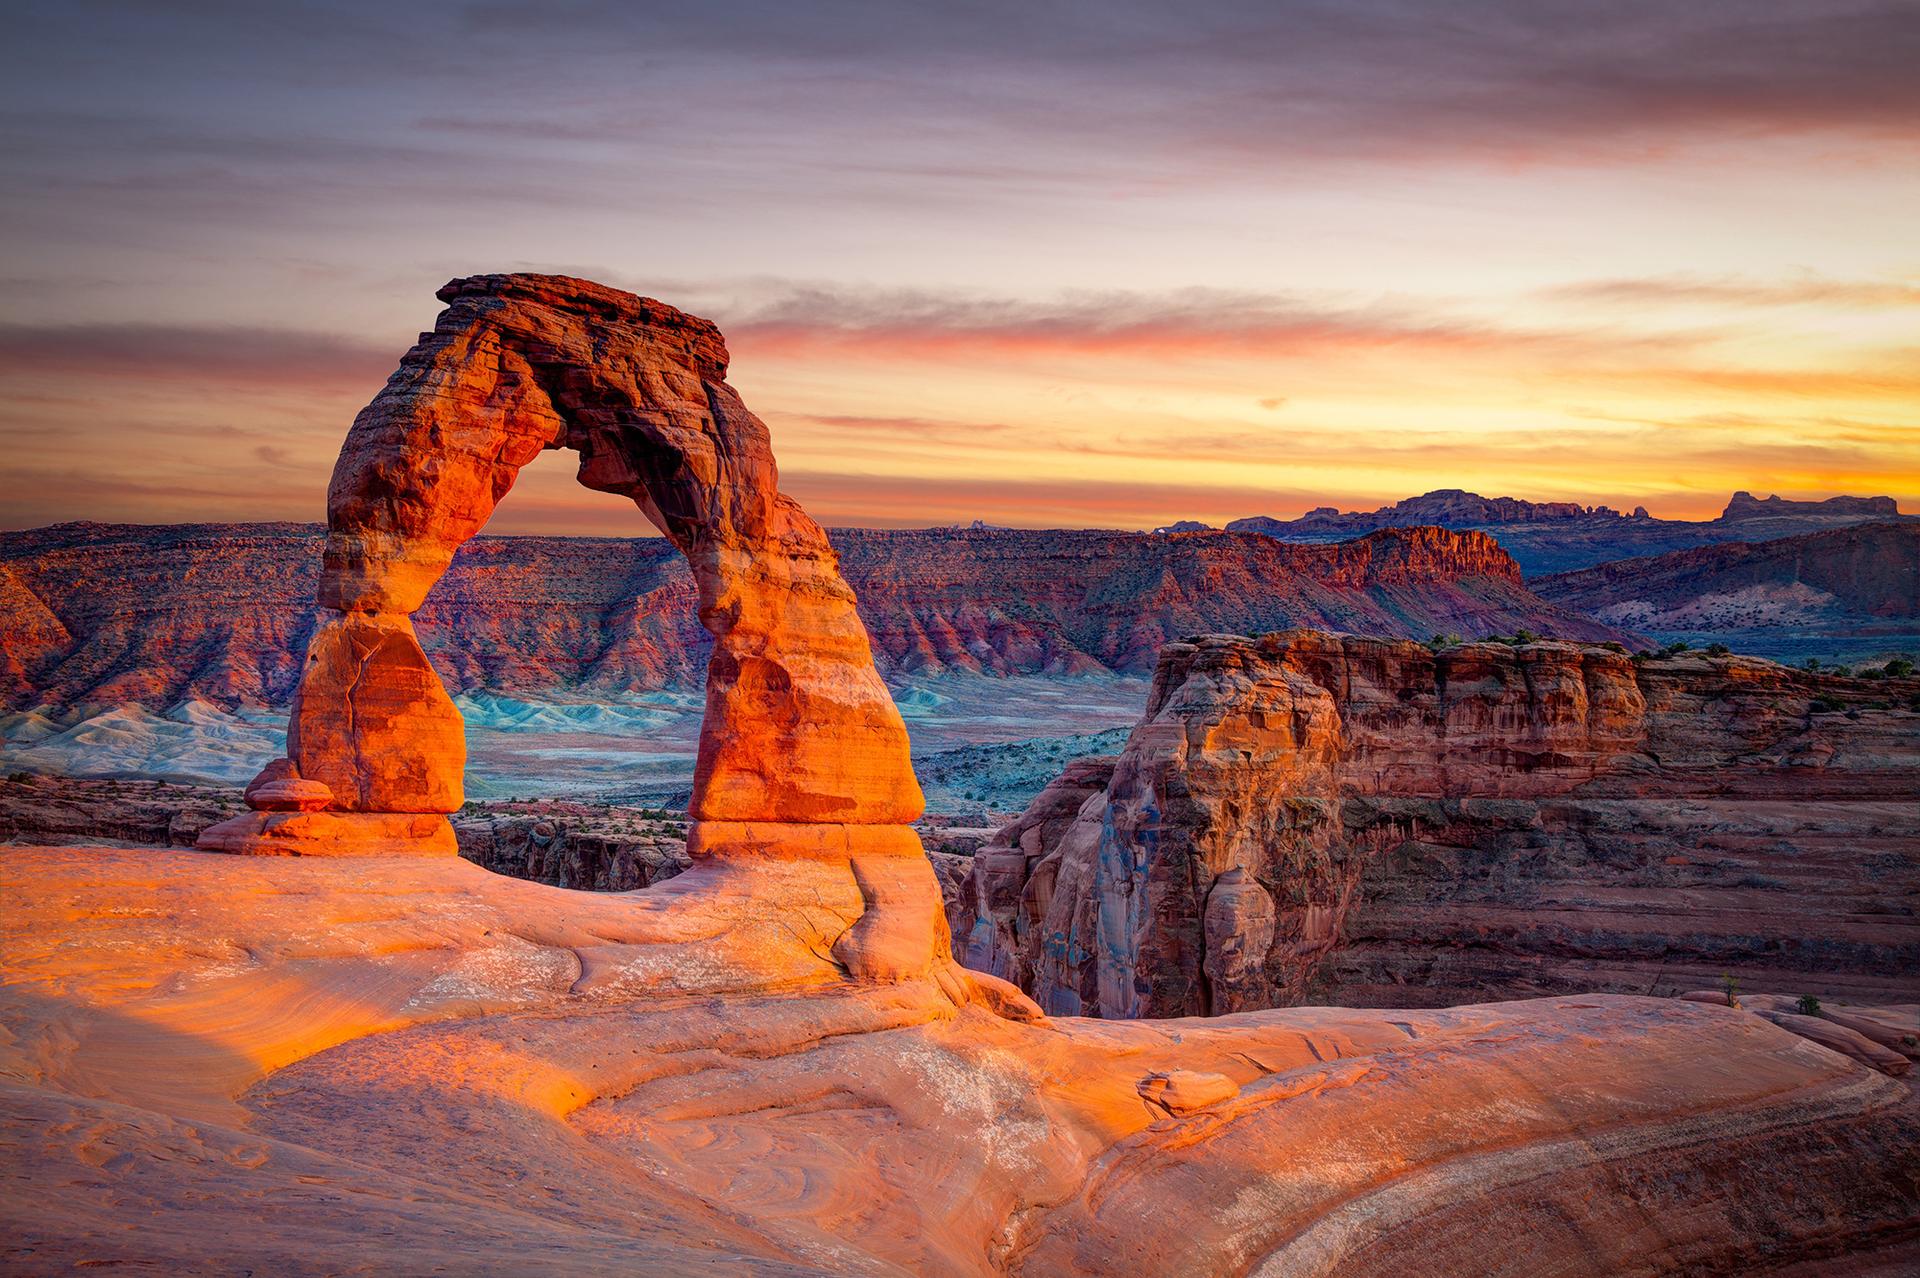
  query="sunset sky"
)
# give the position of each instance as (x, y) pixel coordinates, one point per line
(1041, 264)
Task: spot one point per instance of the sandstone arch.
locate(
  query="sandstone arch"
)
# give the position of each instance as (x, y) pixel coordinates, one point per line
(803, 756)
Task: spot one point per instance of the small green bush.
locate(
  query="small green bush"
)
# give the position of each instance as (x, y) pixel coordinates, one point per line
(1719, 650)
(1898, 668)
(1808, 1005)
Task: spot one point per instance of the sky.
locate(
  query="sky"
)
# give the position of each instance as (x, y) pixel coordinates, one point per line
(1075, 264)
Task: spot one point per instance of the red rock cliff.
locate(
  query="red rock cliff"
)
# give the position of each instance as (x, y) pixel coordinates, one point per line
(100, 615)
(1309, 816)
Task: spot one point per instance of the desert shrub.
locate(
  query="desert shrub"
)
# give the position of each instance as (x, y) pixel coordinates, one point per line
(1732, 988)
(1674, 649)
(1719, 650)
(1525, 636)
(1898, 668)
(1613, 645)
(1813, 663)
(1825, 705)
(1808, 1005)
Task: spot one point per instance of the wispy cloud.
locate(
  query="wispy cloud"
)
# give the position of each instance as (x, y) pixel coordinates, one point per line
(208, 354)
(1730, 291)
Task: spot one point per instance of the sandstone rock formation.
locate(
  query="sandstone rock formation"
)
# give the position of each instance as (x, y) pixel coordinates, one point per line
(799, 730)
(1318, 817)
(460, 1072)
(802, 757)
(99, 615)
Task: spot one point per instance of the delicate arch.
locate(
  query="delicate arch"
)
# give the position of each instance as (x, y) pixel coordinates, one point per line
(799, 727)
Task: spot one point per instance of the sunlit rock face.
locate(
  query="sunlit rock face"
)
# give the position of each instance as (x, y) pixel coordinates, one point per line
(1315, 817)
(799, 728)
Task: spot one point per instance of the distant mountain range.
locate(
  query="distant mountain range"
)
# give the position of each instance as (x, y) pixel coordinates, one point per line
(95, 615)
(1559, 536)
(1848, 592)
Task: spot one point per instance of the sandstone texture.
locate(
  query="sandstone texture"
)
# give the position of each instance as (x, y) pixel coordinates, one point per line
(108, 615)
(1314, 817)
(1559, 536)
(314, 1066)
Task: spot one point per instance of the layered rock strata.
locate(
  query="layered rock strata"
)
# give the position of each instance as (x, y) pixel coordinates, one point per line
(99, 615)
(1312, 817)
(1847, 590)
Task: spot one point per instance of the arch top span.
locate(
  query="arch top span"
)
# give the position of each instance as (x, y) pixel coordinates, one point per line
(517, 364)
(799, 728)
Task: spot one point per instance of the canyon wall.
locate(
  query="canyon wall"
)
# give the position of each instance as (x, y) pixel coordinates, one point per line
(1308, 817)
(101, 615)
(1560, 536)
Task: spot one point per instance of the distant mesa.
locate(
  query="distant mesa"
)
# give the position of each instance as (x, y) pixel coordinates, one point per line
(1184, 526)
(1848, 590)
(1558, 536)
(1744, 505)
